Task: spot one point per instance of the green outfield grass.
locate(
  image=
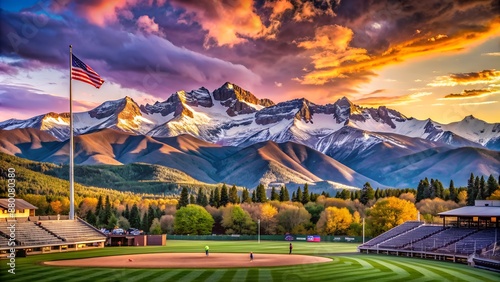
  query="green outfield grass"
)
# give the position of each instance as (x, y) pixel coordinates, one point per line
(346, 265)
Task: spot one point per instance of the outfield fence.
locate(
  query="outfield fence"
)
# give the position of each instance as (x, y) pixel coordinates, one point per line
(351, 239)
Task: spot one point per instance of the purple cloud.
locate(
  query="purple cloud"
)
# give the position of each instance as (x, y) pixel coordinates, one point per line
(143, 62)
(27, 101)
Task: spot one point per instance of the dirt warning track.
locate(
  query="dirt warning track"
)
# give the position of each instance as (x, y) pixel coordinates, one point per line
(190, 260)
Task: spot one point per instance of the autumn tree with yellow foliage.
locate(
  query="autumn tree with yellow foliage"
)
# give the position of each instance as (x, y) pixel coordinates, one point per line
(388, 213)
(334, 221)
(268, 218)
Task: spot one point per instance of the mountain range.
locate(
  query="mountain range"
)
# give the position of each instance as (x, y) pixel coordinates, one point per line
(229, 135)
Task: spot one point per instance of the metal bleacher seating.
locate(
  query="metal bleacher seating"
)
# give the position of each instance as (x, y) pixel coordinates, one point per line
(410, 237)
(441, 239)
(398, 230)
(71, 230)
(29, 234)
(474, 242)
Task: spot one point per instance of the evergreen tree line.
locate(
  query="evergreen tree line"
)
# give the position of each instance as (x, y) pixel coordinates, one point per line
(107, 217)
(223, 196)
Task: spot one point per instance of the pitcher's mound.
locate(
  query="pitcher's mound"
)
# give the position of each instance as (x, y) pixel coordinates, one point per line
(190, 260)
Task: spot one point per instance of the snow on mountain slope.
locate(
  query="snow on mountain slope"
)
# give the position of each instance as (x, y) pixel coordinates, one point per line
(233, 116)
(475, 130)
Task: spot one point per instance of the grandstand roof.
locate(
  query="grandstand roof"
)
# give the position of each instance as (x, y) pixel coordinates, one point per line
(473, 211)
(20, 204)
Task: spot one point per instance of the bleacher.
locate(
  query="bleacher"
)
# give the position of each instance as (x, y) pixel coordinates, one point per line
(476, 242)
(443, 239)
(29, 234)
(414, 235)
(3, 240)
(396, 231)
(71, 230)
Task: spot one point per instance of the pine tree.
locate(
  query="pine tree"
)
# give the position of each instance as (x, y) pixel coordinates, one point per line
(233, 195)
(224, 195)
(274, 195)
(151, 215)
(199, 197)
(286, 195)
(427, 189)
(135, 217)
(183, 201)
(481, 191)
(217, 197)
(313, 197)
(261, 195)
(245, 196)
(192, 200)
(305, 195)
(282, 194)
(99, 206)
(106, 213)
(491, 186)
(254, 197)
(345, 194)
(298, 195)
(377, 194)
(453, 192)
(357, 194)
(145, 221)
(211, 201)
(437, 189)
(204, 200)
(91, 218)
(471, 195)
(476, 190)
(126, 213)
(367, 193)
(158, 212)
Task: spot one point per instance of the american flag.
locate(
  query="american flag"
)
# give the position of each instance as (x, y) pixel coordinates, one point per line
(83, 72)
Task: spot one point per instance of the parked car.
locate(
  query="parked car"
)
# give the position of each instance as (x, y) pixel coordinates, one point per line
(134, 231)
(118, 231)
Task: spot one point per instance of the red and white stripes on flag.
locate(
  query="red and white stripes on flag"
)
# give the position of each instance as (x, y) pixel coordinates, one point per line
(83, 72)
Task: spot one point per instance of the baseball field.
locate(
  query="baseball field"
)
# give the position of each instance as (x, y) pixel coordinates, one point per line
(342, 264)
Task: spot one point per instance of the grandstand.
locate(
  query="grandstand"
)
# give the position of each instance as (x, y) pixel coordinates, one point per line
(468, 235)
(44, 234)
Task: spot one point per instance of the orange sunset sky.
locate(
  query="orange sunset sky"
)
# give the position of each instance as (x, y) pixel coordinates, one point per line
(426, 59)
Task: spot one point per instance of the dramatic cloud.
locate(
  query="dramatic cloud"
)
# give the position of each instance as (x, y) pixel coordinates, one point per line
(147, 24)
(331, 51)
(24, 102)
(470, 78)
(392, 100)
(374, 34)
(491, 54)
(146, 63)
(227, 22)
(473, 93)
(478, 103)
(98, 12)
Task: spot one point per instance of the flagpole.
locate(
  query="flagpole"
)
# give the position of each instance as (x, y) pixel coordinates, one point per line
(71, 149)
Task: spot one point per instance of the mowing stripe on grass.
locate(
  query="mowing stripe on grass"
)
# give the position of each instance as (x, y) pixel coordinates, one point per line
(411, 271)
(214, 276)
(191, 276)
(89, 277)
(38, 274)
(252, 275)
(165, 277)
(240, 275)
(228, 275)
(180, 274)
